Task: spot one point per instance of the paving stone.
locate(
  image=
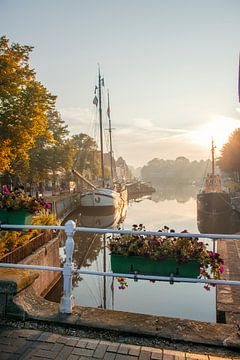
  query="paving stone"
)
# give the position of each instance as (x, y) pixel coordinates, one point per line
(168, 357)
(92, 344)
(145, 355)
(157, 356)
(82, 352)
(5, 356)
(178, 355)
(43, 336)
(109, 356)
(113, 347)
(197, 356)
(44, 354)
(73, 357)
(100, 351)
(82, 343)
(147, 348)
(125, 357)
(64, 353)
(134, 350)
(218, 358)
(123, 349)
(71, 342)
(5, 341)
(45, 346)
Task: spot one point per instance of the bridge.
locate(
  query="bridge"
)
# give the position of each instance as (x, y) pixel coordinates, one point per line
(21, 302)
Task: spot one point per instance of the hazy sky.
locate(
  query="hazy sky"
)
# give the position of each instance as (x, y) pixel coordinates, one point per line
(171, 67)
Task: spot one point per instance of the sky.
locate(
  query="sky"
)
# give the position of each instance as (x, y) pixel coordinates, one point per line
(171, 68)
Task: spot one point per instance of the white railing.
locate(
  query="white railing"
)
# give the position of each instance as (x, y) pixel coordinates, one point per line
(67, 301)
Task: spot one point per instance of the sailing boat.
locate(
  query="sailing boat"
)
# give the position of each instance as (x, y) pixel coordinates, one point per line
(114, 194)
(213, 204)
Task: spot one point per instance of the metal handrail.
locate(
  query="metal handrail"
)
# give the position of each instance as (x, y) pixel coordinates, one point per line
(70, 228)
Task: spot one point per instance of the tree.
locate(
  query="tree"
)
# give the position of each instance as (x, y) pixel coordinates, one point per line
(87, 158)
(24, 104)
(229, 161)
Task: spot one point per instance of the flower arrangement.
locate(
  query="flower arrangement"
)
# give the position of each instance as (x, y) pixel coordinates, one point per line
(19, 200)
(182, 249)
(10, 240)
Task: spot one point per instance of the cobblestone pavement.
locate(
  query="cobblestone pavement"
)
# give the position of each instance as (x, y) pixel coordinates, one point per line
(26, 344)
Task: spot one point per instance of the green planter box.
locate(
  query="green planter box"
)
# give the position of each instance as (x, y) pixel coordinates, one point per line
(16, 217)
(143, 265)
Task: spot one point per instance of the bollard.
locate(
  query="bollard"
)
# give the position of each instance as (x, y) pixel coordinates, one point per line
(67, 300)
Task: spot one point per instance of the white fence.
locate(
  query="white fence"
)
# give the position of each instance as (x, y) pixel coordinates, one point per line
(70, 228)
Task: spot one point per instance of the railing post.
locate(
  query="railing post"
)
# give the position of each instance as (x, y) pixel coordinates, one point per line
(67, 301)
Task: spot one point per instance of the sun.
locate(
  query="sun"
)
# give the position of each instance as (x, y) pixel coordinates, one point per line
(219, 128)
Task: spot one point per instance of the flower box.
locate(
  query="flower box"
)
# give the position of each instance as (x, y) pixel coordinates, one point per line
(16, 217)
(143, 265)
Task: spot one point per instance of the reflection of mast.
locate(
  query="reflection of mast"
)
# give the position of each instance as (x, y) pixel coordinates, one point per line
(112, 289)
(104, 269)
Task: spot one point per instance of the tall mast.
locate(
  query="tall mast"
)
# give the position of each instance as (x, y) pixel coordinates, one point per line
(213, 159)
(100, 121)
(110, 136)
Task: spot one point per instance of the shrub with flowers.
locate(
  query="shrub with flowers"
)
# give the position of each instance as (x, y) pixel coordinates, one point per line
(182, 249)
(10, 240)
(18, 199)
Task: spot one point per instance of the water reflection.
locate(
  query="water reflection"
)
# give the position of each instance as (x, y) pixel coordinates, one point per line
(89, 248)
(177, 209)
(107, 219)
(180, 193)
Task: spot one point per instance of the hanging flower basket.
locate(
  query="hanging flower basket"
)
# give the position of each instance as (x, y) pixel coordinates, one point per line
(144, 265)
(163, 255)
(18, 208)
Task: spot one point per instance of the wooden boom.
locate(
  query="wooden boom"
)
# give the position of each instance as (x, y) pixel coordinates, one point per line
(83, 178)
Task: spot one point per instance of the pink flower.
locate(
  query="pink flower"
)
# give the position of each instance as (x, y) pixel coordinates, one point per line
(221, 269)
(47, 206)
(5, 190)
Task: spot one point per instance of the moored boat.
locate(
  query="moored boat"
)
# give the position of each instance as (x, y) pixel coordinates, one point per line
(214, 207)
(112, 194)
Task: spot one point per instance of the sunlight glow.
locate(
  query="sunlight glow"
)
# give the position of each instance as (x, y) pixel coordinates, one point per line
(220, 128)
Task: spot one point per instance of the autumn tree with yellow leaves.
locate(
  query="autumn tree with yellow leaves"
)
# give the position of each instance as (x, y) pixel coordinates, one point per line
(24, 104)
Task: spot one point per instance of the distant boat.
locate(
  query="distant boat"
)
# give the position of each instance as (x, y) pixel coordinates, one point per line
(112, 194)
(214, 207)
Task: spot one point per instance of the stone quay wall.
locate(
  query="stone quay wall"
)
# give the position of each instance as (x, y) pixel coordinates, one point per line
(47, 255)
(64, 204)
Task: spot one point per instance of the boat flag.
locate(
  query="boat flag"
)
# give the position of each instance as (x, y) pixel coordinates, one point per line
(108, 108)
(95, 100)
(108, 112)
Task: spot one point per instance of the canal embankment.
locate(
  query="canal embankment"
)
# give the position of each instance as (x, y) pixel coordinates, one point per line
(44, 249)
(22, 303)
(228, 297)
(19, 300)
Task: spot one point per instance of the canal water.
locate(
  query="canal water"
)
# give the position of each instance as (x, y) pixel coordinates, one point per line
(174, 207)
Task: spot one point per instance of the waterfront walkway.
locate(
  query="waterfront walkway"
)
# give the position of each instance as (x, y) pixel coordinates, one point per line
(26, 344)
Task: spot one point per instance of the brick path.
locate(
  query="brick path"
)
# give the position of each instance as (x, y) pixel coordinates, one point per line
(24, 344)
(228, 297)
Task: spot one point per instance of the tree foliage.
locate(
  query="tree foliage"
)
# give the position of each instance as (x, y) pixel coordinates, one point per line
(87, 157)
(229, 161)
(24, 103)
(179, 171)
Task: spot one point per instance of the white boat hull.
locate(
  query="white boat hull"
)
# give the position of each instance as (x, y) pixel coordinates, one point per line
(103, 198)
